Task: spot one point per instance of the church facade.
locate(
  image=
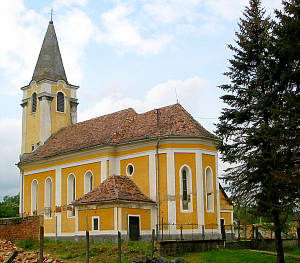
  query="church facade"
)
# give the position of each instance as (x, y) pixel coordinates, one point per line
(123, 171)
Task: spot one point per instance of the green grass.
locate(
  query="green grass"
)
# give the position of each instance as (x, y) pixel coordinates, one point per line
(231, 256)
(293, 251)
(27, 244)
(107, 252)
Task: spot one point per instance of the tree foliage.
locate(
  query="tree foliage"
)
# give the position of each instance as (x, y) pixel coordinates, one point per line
(9, 207)
(260, 126)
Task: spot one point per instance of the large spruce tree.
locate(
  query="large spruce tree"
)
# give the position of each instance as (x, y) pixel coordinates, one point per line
(260, 126)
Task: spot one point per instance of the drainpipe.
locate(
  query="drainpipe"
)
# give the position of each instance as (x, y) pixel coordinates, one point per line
(158, 181)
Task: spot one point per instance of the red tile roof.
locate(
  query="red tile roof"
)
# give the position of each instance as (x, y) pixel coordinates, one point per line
(121, 127)
(114, 188)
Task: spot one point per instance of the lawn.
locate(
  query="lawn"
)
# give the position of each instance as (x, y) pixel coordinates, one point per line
(107, 253)
(233, 256)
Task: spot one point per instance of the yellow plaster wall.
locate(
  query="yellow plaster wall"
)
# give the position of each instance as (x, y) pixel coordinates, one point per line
(79, 172)
(32, 127)
(86, 156)
(227, 219)
(210, 218)
(224, 204)
(145, 218)
(141, 173)
(186, 217)
(68, 224)
(106, 218)
(61, 119)
(163, 186)
(40, 177)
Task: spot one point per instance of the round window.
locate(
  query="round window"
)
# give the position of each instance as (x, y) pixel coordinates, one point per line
(130, 169)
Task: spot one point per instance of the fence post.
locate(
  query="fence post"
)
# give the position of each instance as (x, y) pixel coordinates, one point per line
(256, 232)
(153, 238)
(203, 234)
(55, 227)
(87, 246)
(119, 246)
(181, 236)
(162, 228)
(239, 231)
(12, 257)
(41, 244)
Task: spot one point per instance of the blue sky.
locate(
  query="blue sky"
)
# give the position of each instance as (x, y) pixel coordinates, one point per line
(122, 53)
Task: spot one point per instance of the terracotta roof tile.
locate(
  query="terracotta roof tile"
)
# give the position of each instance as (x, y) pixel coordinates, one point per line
(121, 127)
(114, 188)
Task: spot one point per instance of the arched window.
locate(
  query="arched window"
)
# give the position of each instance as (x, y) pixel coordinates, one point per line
(34, 197)
(60, 102)
(33, 109)
(186, 188)
(209, 189)
(71, 192)
(88, 182)
(48, 197)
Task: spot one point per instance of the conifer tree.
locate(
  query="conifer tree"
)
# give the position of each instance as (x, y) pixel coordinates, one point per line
(260, 127)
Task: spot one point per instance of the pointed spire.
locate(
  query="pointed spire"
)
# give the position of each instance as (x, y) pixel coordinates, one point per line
(49, 64)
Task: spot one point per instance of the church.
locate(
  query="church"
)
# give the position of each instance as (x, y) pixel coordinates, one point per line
(123, 171)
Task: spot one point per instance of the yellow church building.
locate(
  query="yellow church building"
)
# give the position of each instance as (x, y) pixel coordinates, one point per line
(123, 171)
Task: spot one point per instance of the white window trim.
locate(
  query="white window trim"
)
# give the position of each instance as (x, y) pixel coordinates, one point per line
(189, 188)
(68, 203)
(36, 195)
(127, 169)
(206, 192)
(140, 225)
(45, 186)
(98, 217)
(84, 184)
(64, 102)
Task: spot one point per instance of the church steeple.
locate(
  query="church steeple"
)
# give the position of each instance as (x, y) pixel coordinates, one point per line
(49, 101)
(49, 64)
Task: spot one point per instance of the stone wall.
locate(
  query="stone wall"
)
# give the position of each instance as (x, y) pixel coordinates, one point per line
(20, 228)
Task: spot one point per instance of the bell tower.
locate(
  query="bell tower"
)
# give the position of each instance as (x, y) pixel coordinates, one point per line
(49, 101)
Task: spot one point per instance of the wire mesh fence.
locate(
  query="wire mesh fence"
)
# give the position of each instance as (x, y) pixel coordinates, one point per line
(191, 231)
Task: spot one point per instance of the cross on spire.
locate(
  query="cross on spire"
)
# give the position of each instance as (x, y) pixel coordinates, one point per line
(51, 14)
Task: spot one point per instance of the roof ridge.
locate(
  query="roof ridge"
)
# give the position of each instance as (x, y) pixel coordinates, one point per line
(198, 125)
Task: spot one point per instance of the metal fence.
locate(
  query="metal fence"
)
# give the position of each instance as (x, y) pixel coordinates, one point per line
(188, 231)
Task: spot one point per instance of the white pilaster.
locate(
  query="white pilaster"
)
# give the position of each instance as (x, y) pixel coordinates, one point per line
(198, 188)
(58, 176)
(104, 170)
(45, 118)
(171, 187)
(218, 191)
(152, 176)
(201, 185)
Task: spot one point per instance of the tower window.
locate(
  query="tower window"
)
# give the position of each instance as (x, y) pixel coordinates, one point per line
(60, 102)
(33, 102)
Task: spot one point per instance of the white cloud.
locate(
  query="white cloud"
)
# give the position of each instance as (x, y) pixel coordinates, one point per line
(161, 95)
(20, 29)
(10, 142)
(59, 4)
(74, 30)
(126, 33)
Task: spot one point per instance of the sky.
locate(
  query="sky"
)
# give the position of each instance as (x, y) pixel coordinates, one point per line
(142, 54)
